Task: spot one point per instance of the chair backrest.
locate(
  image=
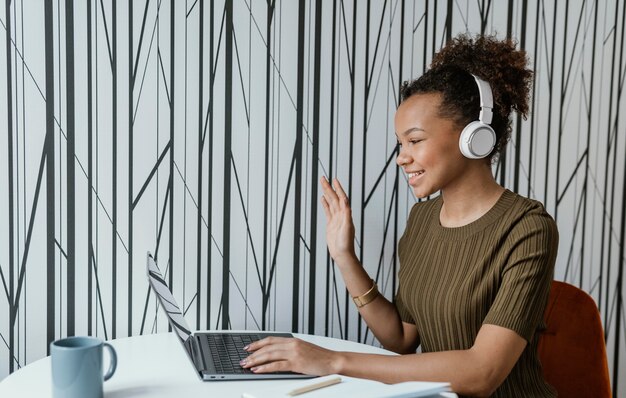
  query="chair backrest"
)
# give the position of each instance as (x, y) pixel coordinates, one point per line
(572, 349)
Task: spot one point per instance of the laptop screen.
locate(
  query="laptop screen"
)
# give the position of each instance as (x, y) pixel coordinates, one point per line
(165, 297)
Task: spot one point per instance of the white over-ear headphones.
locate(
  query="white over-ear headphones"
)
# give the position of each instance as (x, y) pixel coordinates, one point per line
(478, 138)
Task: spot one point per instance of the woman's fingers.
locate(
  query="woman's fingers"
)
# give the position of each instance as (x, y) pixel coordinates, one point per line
(268, 350)
(257, 345)
(330, 195)
(336, 197)
(265, 355)
(289, 354)
(278, 366)
(341, 194)
(325, 207)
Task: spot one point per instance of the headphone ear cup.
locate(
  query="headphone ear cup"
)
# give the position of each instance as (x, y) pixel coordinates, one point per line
(477, 140)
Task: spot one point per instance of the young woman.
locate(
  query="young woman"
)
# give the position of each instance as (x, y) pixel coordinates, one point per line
(476, 262)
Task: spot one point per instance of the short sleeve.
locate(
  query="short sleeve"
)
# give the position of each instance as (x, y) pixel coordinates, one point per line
(526, 278)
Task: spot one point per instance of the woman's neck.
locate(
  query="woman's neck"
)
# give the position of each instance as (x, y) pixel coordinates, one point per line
(469, 199)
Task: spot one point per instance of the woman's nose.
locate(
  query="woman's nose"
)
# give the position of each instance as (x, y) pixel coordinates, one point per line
(402, 158)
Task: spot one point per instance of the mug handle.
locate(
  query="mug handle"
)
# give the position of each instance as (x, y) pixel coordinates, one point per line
(113, 362)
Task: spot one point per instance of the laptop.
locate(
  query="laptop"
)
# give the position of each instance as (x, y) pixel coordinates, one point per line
(215, 355)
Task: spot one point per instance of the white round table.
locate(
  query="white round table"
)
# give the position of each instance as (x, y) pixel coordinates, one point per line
(156, 366)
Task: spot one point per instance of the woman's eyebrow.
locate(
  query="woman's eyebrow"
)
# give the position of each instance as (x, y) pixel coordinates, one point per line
(410, 130)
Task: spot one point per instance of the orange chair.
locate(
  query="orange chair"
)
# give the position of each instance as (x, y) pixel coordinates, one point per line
(572, 348)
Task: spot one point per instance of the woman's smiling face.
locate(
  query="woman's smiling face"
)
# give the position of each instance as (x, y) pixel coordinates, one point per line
(429, 145)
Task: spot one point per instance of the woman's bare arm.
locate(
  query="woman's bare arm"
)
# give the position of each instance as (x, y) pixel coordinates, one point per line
(478, 371)
(380, 315)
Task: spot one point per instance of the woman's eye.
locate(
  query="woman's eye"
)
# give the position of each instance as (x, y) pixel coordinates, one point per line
(415, 141)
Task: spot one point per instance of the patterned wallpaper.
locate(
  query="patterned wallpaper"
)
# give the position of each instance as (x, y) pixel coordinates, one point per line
(198, 130)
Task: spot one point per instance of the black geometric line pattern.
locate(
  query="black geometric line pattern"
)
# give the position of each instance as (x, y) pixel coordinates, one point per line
(198, 130)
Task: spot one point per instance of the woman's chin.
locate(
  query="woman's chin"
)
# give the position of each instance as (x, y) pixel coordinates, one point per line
(422, 193)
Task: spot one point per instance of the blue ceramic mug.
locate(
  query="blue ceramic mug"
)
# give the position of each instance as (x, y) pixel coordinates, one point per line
(77, 367)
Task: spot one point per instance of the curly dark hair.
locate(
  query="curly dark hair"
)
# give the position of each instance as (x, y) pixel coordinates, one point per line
(495, 61)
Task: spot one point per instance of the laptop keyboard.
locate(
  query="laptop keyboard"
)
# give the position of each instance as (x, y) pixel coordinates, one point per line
(228, 351)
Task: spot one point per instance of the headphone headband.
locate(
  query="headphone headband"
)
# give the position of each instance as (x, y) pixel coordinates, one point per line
(486, 100)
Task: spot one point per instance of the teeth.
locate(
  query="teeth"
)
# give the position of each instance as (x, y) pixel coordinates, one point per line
(411, 175)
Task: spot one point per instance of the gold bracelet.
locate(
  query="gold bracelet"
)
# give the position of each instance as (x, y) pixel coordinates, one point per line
(367, 297)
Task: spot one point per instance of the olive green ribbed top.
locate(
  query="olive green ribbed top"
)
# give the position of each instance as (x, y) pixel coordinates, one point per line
(496, 270)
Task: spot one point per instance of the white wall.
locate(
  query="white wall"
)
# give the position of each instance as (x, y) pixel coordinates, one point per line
(570, 156)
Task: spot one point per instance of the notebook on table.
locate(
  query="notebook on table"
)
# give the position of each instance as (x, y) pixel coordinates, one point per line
(351, 387)
(214, 355)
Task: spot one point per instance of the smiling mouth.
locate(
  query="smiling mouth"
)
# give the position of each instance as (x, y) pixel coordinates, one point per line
(418, 173)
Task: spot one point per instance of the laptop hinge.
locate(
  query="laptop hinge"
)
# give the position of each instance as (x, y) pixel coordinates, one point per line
(196, 354)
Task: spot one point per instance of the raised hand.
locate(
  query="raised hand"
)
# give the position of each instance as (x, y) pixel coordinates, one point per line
(339, 224)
